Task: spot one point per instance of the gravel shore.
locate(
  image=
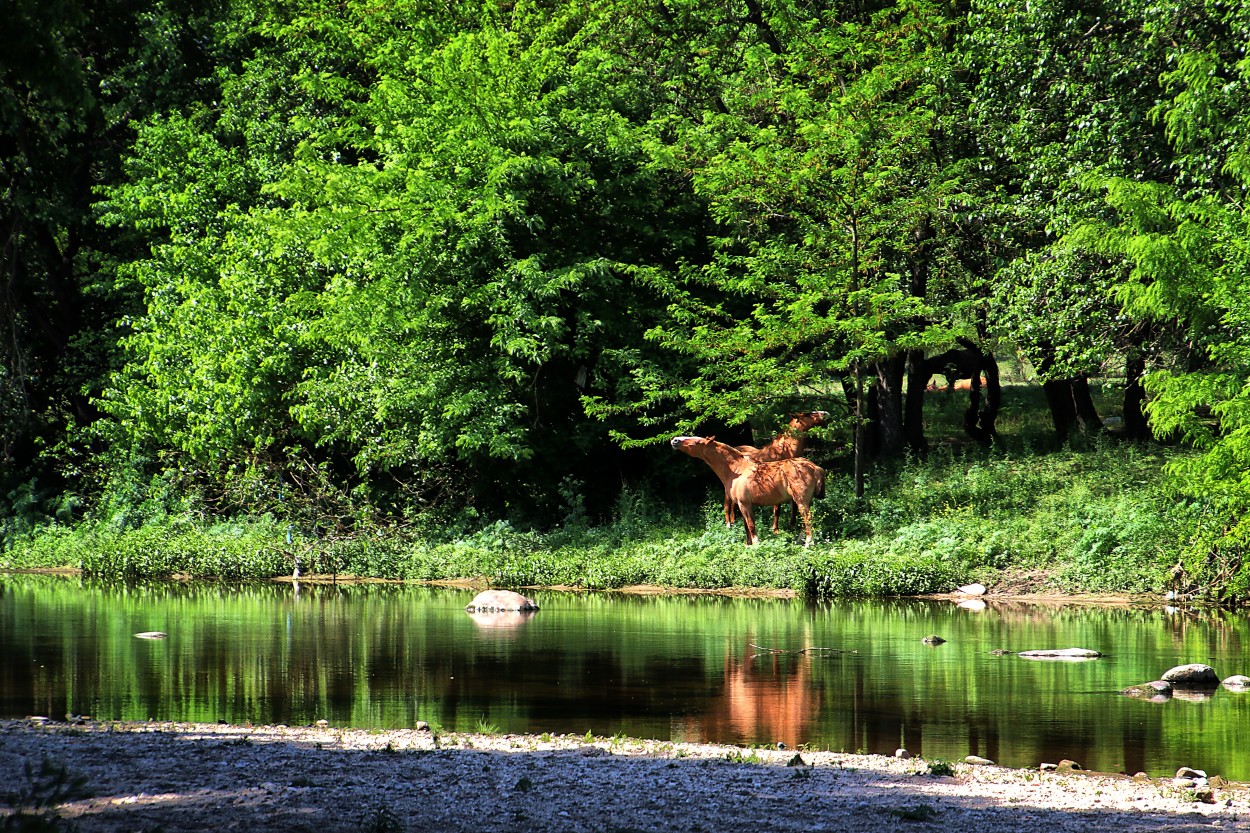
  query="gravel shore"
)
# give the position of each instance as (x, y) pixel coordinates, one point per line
(191, 777)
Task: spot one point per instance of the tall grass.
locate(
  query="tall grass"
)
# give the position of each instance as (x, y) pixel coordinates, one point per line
(1096, 520)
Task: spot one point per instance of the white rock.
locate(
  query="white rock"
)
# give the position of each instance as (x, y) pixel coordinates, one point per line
(1061, 653)
(972, 590)
(151, 635)
(501, 600)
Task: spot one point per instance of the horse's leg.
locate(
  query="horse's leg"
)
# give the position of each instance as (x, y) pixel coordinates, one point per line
(776, 517)
(748, 518)
(804, 508)
(729, 508)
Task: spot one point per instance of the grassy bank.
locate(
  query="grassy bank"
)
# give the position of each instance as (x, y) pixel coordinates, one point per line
(1100, 520)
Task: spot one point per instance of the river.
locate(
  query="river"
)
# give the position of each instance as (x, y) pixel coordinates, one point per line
(847, 676)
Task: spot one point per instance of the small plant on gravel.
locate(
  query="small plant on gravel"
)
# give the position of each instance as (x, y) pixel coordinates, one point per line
(940, 768)
(589, 738)
(916, 812)
(383, 820)
(40, 791)
(484, 727)
(743, 756)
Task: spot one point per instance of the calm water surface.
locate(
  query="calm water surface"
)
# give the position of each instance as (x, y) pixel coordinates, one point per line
(681, 668)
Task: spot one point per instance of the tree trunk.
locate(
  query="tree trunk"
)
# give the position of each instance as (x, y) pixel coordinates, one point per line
(888, 420)
(1062, 407)
(981, 423)
(859, 433)
(913, 416)
(1085, 410)
(1136, 425)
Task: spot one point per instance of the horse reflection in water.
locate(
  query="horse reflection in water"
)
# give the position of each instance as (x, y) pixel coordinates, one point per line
(750, 483)
(768, 699)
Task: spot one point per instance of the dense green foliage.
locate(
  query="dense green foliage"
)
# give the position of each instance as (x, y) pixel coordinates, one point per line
(384, 272)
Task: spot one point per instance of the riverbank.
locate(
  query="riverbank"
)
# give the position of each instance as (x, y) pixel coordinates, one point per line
(191, 777)
(1102, 521)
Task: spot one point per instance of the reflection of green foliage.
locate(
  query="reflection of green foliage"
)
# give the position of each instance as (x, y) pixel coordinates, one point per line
(388, 656)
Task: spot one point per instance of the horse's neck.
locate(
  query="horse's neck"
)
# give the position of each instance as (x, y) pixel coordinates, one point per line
(782, 447)
(727, 463)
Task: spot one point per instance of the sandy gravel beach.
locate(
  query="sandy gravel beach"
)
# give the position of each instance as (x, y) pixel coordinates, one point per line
(189, 777)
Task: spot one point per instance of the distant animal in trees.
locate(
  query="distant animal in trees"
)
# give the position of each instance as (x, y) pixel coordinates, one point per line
(968, 362)
(751, 483)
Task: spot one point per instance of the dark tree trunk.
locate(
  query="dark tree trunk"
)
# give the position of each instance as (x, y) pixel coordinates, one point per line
(1085, 410)
(887, 410)
(1136, 426)
(981, 423)
(1062, 407)
(913, 416)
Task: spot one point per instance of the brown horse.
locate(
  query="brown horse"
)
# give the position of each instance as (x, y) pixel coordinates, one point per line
(789, 443)
(752, 483)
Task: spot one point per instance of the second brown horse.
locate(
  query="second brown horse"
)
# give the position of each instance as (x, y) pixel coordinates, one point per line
(749, 483)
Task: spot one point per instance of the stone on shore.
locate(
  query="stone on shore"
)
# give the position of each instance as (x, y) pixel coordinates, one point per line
(1195, 674)
(977, 760)
(506, 600)
(1061, 653)
(972, 590)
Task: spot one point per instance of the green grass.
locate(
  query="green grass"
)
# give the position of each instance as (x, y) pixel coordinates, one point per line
(1095, 520)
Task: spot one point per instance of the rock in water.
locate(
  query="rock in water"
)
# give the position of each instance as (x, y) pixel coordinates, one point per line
(1157, 691)
(972, 590)
(151, 635)
(489, 600)
(1195, 674)
(1061, 653)
(933, 639)
(1237, 682)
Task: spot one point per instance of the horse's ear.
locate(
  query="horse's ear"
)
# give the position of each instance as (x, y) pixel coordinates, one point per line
(712, 438)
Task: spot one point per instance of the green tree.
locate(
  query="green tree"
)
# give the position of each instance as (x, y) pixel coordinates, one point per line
(73, 78)
(1185, 239)
(1064, 90)
(827, 153)
(396, 253)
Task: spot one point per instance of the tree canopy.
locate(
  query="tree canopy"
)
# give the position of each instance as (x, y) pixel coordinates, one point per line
(390, 255)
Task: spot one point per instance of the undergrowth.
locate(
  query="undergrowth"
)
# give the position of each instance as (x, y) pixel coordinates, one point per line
(1098, 520)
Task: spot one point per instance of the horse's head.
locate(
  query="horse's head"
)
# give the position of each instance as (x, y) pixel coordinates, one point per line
(809, 420)
(694, 446)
